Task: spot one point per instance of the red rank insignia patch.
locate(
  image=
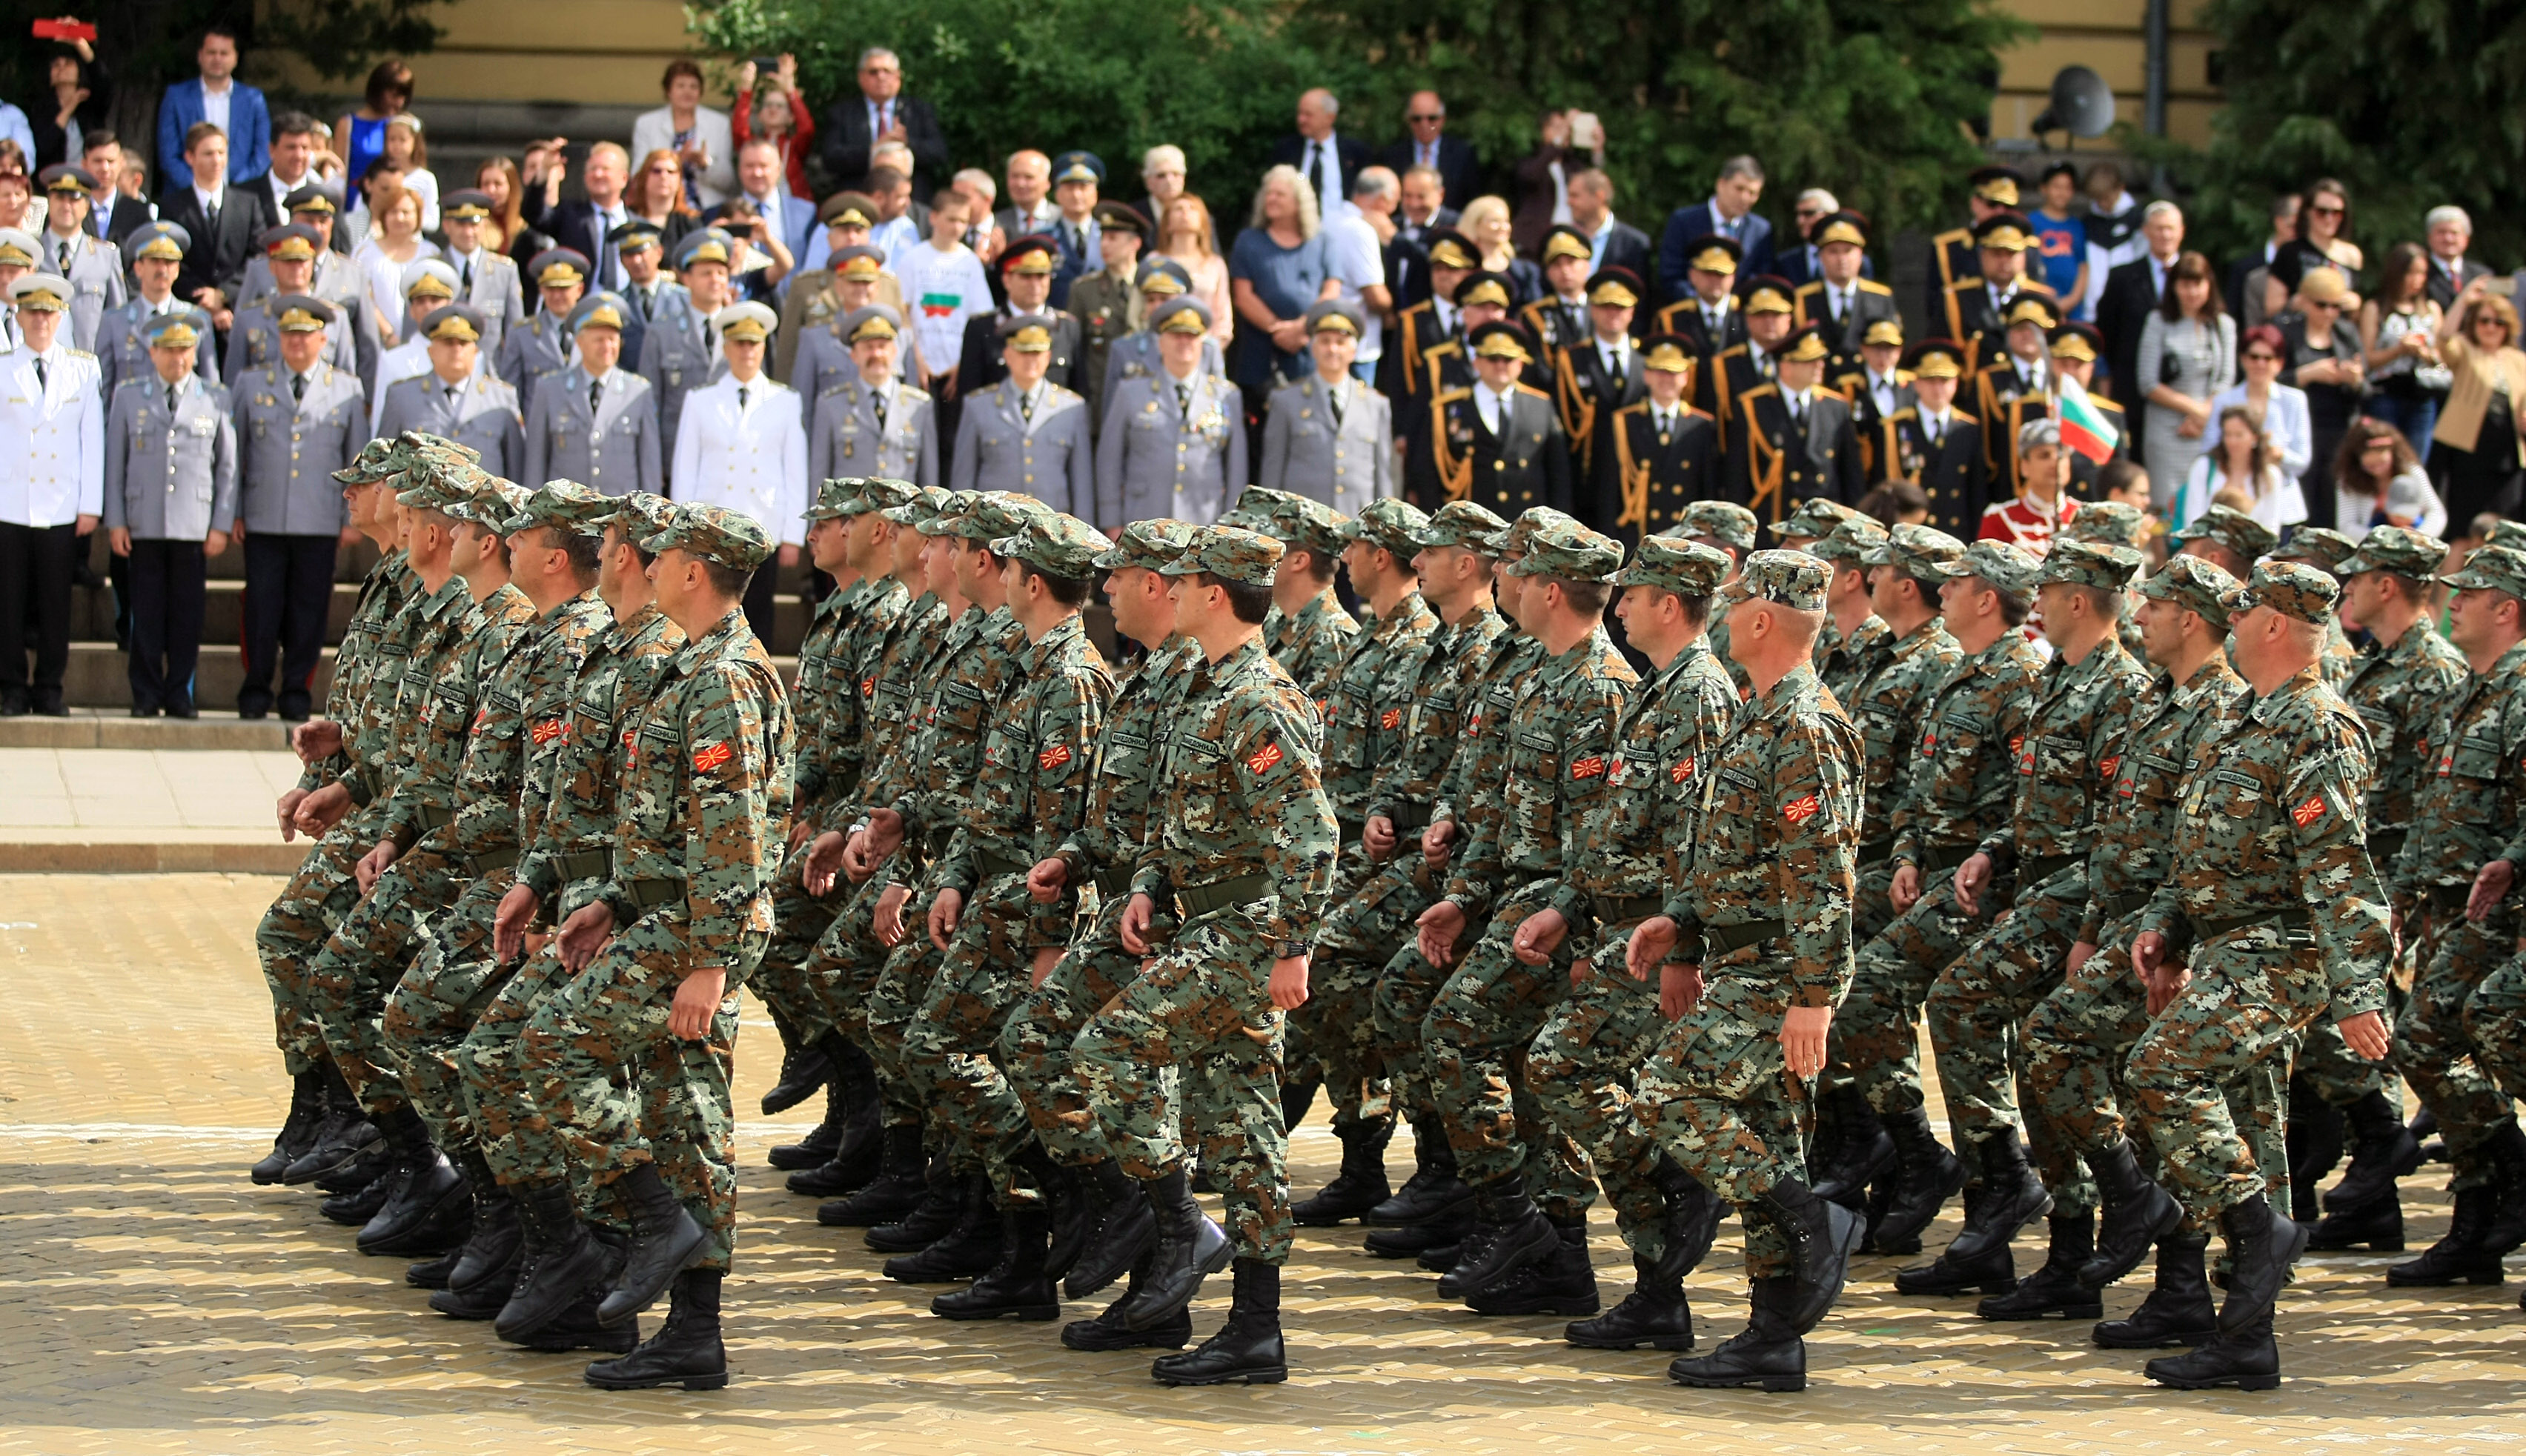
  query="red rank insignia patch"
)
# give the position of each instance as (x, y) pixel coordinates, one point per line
(2307, 813)
(1053, 757)
(1590, 767)
(550, 729)
(2016, 743)
(1390, 719)
(1682, 771)
(1801, 809)
(2107, 768)
(1262, 759)
(868, 687)
(480, 716)
(714, 757)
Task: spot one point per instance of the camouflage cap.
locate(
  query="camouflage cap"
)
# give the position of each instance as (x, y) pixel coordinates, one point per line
(1570, 552)
(2509, 533)
(2107, 521)
(1151, 545)
(491, 503)
(1056, 545)
(836, 498)
(373, 463)
(881, 492)
(1793, 578)
(1390, 523)
(1461, 522)
(1306, 523)
(1253, 508)
(575, 507)
(2195, 584)
(2003, 566)
(1228, 552)
(2317, 546)
(715, 533)
(2498, 568)
(2399, 549)
(933, 518)
(428, 490)
(2300, 592)
(991, 514)
(640, 514)
(1851, 543)
(1673, 564)
(1922, 551)
(1721, 521)
(2089, 564)
(439, 447)
(1814, 519)
(2233, 528)
(1513, 541)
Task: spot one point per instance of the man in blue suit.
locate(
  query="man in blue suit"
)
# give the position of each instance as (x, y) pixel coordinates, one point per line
(1729, 214)
(761, 182)
(215, 96)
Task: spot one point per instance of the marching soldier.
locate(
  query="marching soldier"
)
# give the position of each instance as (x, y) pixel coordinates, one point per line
(1661, 453)
(1844, 304)
(1496, 443)
(1329, 436)
(1306, 631)
(1108, 302)
(1026, 433)
(298, 420)
(171, 487)
(1136, 354)
(1599, 372)
(92, 266)
(680, 352)
(1934, 445)
(457, 400)
(542, 345)
(428, 285)
(488, 279)
(1174, 441)
(1792, 438)
(874, 424)
(1979, 310)
(254, 338)
(122, 350)
(1710, 317)
(1953, 254)
(596, 423)
(1904, 573)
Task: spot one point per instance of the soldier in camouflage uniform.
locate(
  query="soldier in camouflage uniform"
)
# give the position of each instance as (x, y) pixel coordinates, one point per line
(2466, 823)
(1731, 528)
(1752, 951)
(1332, 1039)
(2325, 549)
(1807, 528)
(2110, 523)
(2272, 892)
(657, 961)
(2230, 537)
(2075, 741)
(1312, 633)
(1861, 643)
(1244, 846)
(1558, 742)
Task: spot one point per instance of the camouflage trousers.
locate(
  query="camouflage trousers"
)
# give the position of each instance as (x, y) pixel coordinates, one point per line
(1205, 999)
(1361, 940)
(842, 973)
(1876, 1040)
(1473, 1047)
(1977, 1010)
(366, 957)
(2437, 1054)
(2495, 1021)
(1337, 1030)
(2210, 1073)
(621, 1090)
(2076, 1042)
(1036, 1046)
(295, 928)
(1872, 909)
(953, 1033)
(1582, 1068)
(1717, 1096)
(509, 1128)
(785, 982)
(451, 980)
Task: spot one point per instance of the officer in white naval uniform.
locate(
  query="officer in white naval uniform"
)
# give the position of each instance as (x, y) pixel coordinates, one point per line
(744, 445)
(52, 490)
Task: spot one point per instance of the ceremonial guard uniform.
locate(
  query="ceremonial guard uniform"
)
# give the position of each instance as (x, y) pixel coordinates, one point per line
(1940, 453)
(1656, 459)
(1511, 459)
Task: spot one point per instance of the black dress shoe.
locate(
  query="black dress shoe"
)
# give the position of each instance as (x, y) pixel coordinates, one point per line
(139, 710)
(183, 710)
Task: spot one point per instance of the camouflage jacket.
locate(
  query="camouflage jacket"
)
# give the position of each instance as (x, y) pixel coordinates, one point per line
(1469, 791)
(2272, 821)
(885, 711)
(833, 721)
(382, 593)
(571, 854)
(1311, 642)
(409, 647)
(1556, 749)
(522, 717)
(1886, 707)
(1450, 665)
(704, 808)
(1652, 783)
(934, 769)
(1775, 837)
(821, 667)
(2398, 692)
(1032, 788)
(2134, 849)
(1851, 661)
(1123, 768)
(1962, 776)
(441, 722)
(2065, 771)
(1365, 707)
(2341, 659)
(1241, 794)
(2468, 809)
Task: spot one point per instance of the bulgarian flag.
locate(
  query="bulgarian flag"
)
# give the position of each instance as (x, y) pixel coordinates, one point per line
(2085, 428)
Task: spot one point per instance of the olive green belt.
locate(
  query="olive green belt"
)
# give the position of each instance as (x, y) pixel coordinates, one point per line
(1203, 899)
(1719, 941)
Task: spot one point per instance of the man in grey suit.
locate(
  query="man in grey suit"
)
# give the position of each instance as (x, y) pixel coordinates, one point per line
(170, 492)
(680, 351)
(541, 345)
(457, 401)
(595, 422)
(874, 424)
(1027, 434)
(254, 338)
(298, 420)
(486, 280)
(1173, 442)
(156, 252)
(94, 268)
(1329, 436)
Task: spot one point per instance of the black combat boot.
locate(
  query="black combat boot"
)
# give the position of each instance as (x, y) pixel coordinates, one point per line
(1822, 1236)
(1864, 1151)
(1926, 1176)
(665, 1237)
(813, 1150)
(1071, 1199)
(1433, 1187)
(1015, 1288)
(1246, 1349)
(2313, 1144)
(563, 1264)
(2012, 1197)
(340, 1135)
(1360, 1187)
(1189, 1248)
(576, 1328)
(2464, 1256)
(1509, 1233)
(2054, 1289)
(429, 1208)
(373, 1161)
(490, 1252)
(1297, 1095)
(1437, 1239)
(1107, 1332)
(1561, 1282)
(966, 1250)
(2378, 1223)
(1994, 1273)
(1690, 1223)
(805, 1072)
(900, 1188)
(926, 1222)
(2506, 1149)
(852, 1104)
(431, 1273)
(2178, 1310)
(2386, 1151)
(2261, 1247)
(354, 1207)
(297, 1134)
(1655, 1314)
(2248, 1358)
(685, 1351)
(1881, 1197)
(1125, 1232)
(1768, 1352)
(2136, 1214)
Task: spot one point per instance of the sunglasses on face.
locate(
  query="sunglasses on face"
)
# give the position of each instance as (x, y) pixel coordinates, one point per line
(2327, 212)
(2262, 358)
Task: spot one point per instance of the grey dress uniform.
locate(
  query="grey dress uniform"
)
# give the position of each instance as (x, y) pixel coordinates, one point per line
(643, 308)
(1049, 455)
(254, 341)
(825, 364)
(1157, 459)
(289, 448)
(171, 478)
(500, 294)
(532, 351)
(122, 349)
(677, 356)
(1134, 356)
(1342, 458)
(337, 281)
(95, 275)
(614, 448)
(845, 439)
(482, 412)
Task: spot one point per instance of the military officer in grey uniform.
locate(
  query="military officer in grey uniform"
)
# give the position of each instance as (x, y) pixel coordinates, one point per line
(486, 280)
(638, 247)
(428, 285)
(596, 421)
(254, 340)
(1174, 441)
(456, 400)
(680, 352)
(1027, 434)
(93, 267)
(1136, 354)
(156, 252)
(298, 420)
(170, 492)
(541, 345)
(338, 281)
(874, 424)
(824, 357)
(1329, 436)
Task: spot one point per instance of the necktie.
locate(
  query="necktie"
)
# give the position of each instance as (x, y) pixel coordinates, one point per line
(876, 397)
(171, 394)
(1183, 401)
(1334, 397)
(740, 398)
(297, 389)
(103, 217)
(469, 278)
(211, 215)
(450, 392)
(1935, 431)
(1614, 365)
(1837, 305)
(44, 383)
(1026, 406)
(63, 247)
(1797, 413)
(595, 393)
(1315, 160)
(885, 115)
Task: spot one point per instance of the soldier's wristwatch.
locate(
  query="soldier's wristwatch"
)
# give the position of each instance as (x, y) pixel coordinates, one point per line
(1287, 950)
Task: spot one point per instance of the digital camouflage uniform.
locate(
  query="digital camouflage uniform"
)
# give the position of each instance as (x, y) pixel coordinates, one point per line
(1312, 643)
(1842, 662)
(1884, 705)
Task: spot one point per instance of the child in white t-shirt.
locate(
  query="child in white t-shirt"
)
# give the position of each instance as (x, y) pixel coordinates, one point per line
(943, 285)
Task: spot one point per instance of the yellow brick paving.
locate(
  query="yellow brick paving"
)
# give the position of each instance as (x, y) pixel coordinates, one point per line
(152, 1300)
